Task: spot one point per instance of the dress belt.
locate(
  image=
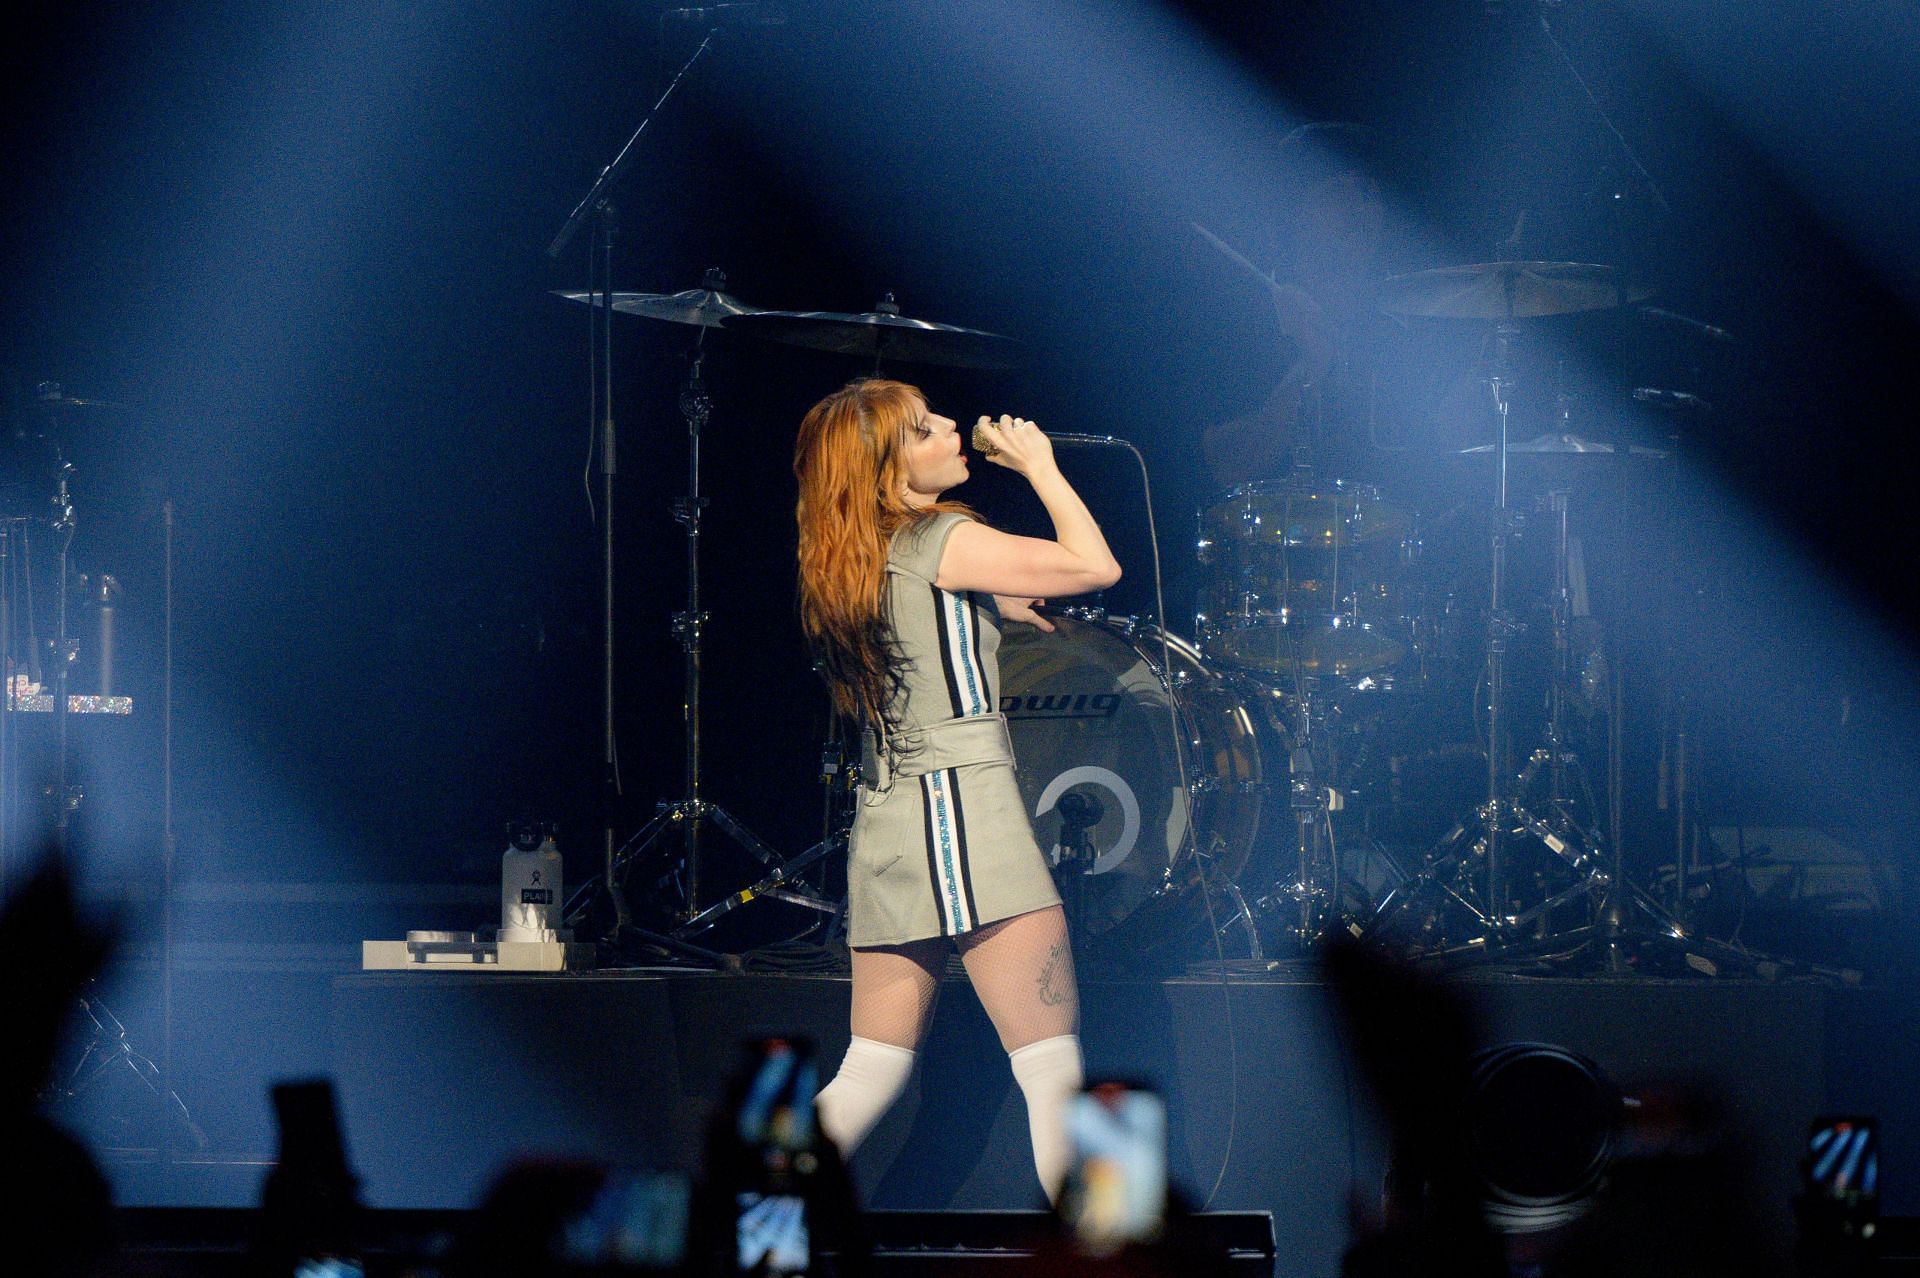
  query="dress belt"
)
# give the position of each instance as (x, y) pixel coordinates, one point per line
(951, 743)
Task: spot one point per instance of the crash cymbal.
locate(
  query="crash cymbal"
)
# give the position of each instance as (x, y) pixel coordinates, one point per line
(1508, 290)
(704, 307)
(883, 333)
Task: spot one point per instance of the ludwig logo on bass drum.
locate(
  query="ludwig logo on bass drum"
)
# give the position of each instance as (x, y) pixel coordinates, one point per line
(1061, 705)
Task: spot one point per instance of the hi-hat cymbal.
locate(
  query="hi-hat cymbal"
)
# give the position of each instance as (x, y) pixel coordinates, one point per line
(1564, 444)
(1508, 290)
(883, 334)
(704, 307)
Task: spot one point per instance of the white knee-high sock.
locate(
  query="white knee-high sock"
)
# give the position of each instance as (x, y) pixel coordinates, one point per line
(871, 1077)
(1049, 1073)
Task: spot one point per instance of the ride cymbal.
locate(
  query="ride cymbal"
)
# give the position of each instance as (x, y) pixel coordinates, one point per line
(704, 307)
(883, 334)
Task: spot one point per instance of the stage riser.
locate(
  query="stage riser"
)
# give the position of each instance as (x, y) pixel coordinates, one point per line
(446, 1077)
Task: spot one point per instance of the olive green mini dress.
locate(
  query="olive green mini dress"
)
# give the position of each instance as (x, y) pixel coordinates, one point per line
(942, 843)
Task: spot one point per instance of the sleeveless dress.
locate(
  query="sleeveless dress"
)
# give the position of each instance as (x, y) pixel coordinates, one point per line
(941, 843)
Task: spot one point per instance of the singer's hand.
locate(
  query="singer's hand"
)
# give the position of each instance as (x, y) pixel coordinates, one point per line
(1018, 608)
(1013, 442)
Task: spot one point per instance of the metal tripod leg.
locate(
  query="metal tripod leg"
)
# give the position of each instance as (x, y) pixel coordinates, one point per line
(108, 1046)
(773, 885)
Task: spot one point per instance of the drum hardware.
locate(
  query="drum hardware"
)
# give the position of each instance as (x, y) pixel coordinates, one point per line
(1184, 681)
(1672, 401)
(1480, 840)
(1478, 847)
(882, 334)
(1474, 870)
(1074, 854)
(596, 206)
(1309, 802)
(687, 816)
(1240, 915)
(105, 1040)
(778, 886)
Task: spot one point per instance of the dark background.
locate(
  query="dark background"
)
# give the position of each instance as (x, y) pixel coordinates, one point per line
(304, 244)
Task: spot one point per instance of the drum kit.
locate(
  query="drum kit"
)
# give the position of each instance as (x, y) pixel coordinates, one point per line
(1204, 792)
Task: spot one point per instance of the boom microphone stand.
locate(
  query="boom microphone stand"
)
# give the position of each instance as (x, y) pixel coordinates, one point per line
(597, 206)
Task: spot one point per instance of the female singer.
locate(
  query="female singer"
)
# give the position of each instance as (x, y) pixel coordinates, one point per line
(902, 596)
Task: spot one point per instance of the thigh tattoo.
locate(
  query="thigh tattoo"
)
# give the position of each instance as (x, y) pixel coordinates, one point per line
(1056, 975)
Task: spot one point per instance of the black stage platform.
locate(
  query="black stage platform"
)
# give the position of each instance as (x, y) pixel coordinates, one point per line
(444, 1076)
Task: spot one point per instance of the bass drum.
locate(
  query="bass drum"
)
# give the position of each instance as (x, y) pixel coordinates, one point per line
(1091, 718)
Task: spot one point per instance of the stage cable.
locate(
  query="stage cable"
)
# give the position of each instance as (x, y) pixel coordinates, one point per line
(167, 842)
(1189, 835)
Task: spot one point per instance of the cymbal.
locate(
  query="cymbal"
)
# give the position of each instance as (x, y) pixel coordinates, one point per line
(1508, 290)
(883, 334)
(1565, 444)
(50, 395)
(704, 307)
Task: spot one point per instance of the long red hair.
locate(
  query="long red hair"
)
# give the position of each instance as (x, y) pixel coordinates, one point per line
(853, 483)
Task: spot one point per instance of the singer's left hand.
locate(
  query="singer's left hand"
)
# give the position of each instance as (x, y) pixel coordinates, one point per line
(1014, 608)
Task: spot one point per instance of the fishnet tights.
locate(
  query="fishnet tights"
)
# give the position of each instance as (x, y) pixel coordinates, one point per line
(1020, 968)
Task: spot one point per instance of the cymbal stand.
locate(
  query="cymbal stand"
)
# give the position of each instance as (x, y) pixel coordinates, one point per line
(690, 813)
(1554, 756)
(596, 207)
(1500, 628)
(1483, 836)
(107, 1046)
(65, 650)
(1304, 895)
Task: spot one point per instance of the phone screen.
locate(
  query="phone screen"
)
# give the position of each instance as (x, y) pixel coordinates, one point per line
(1842, 1170)
(771, 1236)
(329, 1267)
(776, 1126)
(1117, 1189)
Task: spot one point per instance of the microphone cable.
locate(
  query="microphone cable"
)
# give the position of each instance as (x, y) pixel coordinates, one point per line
(1189, 834)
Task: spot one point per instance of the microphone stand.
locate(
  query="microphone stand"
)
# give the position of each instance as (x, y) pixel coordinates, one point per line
(65, 649)
(597, 206)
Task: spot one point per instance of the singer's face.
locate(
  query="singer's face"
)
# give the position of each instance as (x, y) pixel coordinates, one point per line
(934, 460)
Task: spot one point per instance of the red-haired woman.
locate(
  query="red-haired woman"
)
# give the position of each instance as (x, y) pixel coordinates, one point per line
(902, 596)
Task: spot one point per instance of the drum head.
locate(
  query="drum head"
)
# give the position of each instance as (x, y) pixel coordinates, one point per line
(1095, 732)
(1304, 514)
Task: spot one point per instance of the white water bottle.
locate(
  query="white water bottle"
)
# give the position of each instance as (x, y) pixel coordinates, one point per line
(530, 890)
